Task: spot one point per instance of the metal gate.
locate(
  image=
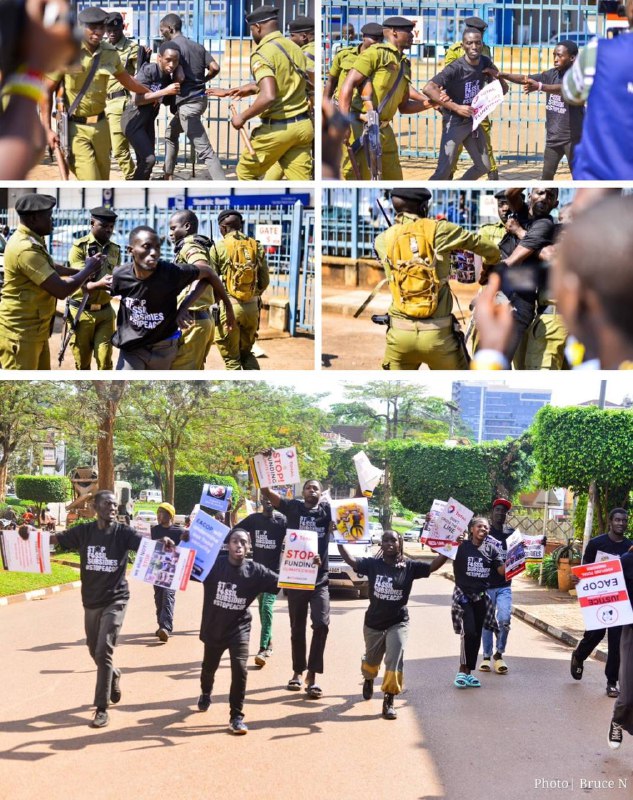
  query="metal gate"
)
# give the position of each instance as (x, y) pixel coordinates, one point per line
(521, 36)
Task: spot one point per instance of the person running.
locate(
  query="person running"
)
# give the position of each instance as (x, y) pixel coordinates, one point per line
(622, 719)
(615, 544)
(472, 609)
(312, 514)
(267, 530)
(229, 589)
(386, 627)
(165, 599)
(103, 547)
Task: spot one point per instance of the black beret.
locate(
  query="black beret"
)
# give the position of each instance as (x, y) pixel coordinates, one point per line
(418, 195)
(398, 22)
(501, 195)
(114, 20)
(476, 22)
(301, 25)
(229, 212)
(262, 14)
(104, 214)
(372, 29)
(93, 15)
(33, 203)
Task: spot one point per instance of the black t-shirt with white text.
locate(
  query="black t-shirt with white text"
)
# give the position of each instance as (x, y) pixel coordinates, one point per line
(228, 592)
(267, 537)
(500, 538)
(300, 517)
(606, 544)
(462, 82)
(103, 560)
(148, 308)
(563, 122)
(472, 565)
(389, 590)
(155, 79)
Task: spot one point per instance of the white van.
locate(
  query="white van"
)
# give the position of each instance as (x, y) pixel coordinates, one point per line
(151, 496)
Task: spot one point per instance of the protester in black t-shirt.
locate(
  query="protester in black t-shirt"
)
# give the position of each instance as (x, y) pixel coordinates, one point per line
(623, 707)
(103, 549)
(563, 122)
(229, 589)
(462, 80)
(267, 530)
(310, 514)
(471, 609)
(386, 627)
(139, 116)
(165, 599)
(149, 315)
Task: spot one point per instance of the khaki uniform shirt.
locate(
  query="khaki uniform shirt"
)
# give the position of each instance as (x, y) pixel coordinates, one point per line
(77, 261)
(381, 64)
(94, 101)
(342, 63)
(493, 231)
(267, 60)
(309, 50)
(456, 50)
(26, 309)
(222, 262)
(128, 53)
(190, 253)
(448, 237)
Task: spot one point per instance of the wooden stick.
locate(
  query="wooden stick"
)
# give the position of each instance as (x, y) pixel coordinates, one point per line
(246, 140)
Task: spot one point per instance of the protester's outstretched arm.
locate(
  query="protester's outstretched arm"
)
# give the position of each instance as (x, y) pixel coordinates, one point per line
(438, 562)
(269, 494)
(349, 559)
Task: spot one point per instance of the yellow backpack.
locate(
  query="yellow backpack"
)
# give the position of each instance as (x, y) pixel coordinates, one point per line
(241, 273)
(414, 282)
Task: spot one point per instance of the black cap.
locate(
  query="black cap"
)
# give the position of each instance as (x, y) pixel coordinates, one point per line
(93, 15)
(114, 20)
(501, 195)
(103, 214)
(229, 212)
(418, 195)
(33, 203)
(372, 29)
(398, 22)
(476, 22)
(262, 14)
(301, 25)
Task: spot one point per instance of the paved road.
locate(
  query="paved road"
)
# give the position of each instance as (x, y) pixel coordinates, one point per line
(494, 742)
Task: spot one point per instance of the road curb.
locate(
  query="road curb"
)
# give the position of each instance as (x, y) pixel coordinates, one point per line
(38, 594)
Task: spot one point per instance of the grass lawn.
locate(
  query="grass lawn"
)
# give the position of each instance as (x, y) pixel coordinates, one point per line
(18, 582)
(66, 556)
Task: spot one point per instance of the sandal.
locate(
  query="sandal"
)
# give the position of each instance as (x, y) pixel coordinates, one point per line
(313, 691)
(472, 682)
(461, 680)
(485, 665)
(294, 685)
(500, 666)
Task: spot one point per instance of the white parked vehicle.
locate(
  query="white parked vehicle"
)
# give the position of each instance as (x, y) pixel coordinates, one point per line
(375, 532)
(342, 576)
(151, 496)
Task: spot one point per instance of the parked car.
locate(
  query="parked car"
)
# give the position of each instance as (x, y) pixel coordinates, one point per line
(151, 496)
(581, 38)
(341, 574)
(412, 535)
(375, 532)
(146, 516)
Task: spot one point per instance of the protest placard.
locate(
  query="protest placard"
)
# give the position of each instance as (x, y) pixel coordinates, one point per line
(515, 556)
(449, 525)
(167, 569)
(429, 527)
(279, 468)
(485, 102)
(534, 548)
(297, 570)
(602, 556)
(601, 590)
(32, 555)
(206, 537)
(369, 476)
(142, 527)
(217, 498)
(350, 520)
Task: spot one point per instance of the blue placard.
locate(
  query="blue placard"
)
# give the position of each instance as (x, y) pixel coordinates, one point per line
(216, 498)
(206, 537)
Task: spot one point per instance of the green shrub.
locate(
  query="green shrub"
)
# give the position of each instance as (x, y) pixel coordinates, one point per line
(42, 489)
(550, 572)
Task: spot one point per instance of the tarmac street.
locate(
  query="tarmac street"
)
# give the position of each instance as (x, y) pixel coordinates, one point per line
(531, 733)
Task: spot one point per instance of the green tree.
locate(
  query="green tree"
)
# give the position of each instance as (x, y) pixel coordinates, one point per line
(42, 489)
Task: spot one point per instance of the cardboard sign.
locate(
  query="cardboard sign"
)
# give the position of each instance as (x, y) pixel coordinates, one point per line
(281, 467)
(485, 102)
(32, 555)
(350, 520)
(429, 527)
(167, 569)
(142, 527)
(368, 476)
(449, 525)
(206, 537)
(515, 557)
(217, 498)
(604, 600)
(602, 556)
(534, 548)
(297, 570)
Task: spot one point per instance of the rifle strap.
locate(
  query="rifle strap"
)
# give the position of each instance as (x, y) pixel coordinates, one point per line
(82, 92)
(393, 89)
(299, 72)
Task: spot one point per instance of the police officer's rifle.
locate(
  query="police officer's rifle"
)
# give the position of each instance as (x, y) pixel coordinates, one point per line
(70, 324)
(62, 148)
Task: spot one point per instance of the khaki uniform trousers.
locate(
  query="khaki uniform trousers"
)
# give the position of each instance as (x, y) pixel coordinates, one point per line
(24, 353)
(543, 346)
(194, 345)
(236, 346)
(289, 143)
(420, 342)
(90, 150)
(93, 337)
(120, 144)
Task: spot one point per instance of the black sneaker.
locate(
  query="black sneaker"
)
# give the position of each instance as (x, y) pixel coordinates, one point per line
(101, 719)
(204, 701)
(368, 688)
(615, 735)
(388, 711)
(115, 688)
(238, 727)
(612, 690)
(576, 667)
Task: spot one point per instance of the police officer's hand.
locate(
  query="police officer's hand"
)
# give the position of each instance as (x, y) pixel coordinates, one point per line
(52, 139)
(240, 91)
(494, 321)
(94, 263)
(184, 320)
(530, 85)
(173, 88)
(237, 121)
(463, 111)
(230, 318)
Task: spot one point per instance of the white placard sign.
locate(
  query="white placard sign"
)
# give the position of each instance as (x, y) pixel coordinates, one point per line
(601, 590)
(280, 468)
(31, 555)
(449, 525)
(297, 570)
(485, 102)
(268, 235)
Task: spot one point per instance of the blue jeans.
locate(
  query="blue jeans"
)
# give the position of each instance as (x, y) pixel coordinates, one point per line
(502, 601)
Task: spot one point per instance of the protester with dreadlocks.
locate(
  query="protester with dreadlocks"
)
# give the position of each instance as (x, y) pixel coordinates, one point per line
(472, 609)
(390, 575)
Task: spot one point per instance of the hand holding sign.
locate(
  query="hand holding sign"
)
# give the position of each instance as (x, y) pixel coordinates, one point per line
(485, 102)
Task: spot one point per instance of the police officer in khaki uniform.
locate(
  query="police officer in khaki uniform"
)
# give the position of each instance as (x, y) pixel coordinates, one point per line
(32, 284)
(385, 73)
(433, 340)
(286, 132)
(88, 128)
(116, 97)
(236, 346)
(190, 247)
(96, 325)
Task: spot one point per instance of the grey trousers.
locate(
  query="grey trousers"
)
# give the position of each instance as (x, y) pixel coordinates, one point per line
(165, 600)
(157, 356)
(188, 118)
(623, 708)
(390, 645)
(474, 143)
(102, 629)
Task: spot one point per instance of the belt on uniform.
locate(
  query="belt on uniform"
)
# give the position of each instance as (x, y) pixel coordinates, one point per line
(89, 120)
(420, 325)
(198, 315)
(89, 306)
(112, 95)
(298, 118)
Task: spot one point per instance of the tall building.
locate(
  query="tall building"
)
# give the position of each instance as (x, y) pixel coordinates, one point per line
(496, 411)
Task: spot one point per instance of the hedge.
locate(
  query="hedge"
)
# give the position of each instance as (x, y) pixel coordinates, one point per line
(42, 489)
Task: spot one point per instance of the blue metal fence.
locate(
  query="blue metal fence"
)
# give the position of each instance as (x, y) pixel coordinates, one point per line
(521, 34)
